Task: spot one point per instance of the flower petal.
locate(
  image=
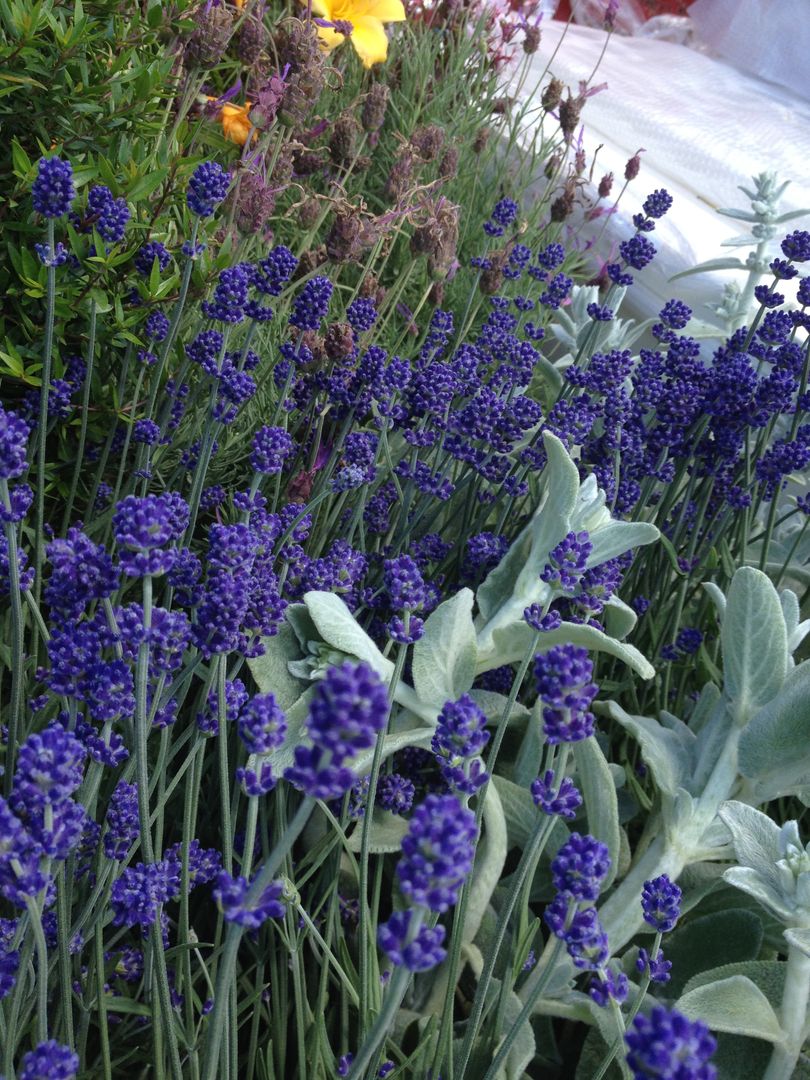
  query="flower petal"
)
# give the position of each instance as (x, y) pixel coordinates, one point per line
(329, 39)
(369, 40)
(384, 10)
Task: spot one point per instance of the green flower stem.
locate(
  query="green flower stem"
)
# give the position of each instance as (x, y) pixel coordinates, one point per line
(224, 772)
(14, 715)
(227, 964)
(63, 946)
(526, 1011)
(503, 723)
(368, 990)
(793, 1016)
(160, 973)
(101, 1006)
(384, 1022)
(35, 922)
(42, 428)
(88, 380)
(528, 860)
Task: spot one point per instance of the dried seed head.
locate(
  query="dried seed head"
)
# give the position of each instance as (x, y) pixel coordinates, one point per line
(437, 237)
(373, 114)
(570, 109)
(343, 139)
(632, 167)
(308, 213)
(371, 289)
(531, 39)
(605, 185)
(481, 139)
(310, 261)
(552, 94)
(208, 41)
(562, 205)
(448, 166)
(345, 240)
(339, 342)
(306, 162)
(255, 200)
(491, 279)
(316, 345)
(298, 47)
(401, 174)
(253, 36)
(428, 141)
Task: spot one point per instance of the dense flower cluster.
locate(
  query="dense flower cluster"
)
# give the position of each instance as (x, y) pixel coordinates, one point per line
(460, 737)
(563, 676)
(666, 1043)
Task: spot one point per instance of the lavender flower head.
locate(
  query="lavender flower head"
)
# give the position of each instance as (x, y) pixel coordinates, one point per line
(348, 709)
(231, 894)
(562, 801)
(311, 304)
(14, 433)
(207, 188)
(53, 192)
(661, 903)
(404, 584)
(666, 1043)
(49, 1061)
(564, 685)
(416, 952)
(143, 527)
(437, 852)
(567, 562)
(458, 741)
(580, 866)
(271, 447)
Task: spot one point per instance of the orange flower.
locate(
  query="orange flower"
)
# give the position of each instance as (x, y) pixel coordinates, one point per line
(235, 122)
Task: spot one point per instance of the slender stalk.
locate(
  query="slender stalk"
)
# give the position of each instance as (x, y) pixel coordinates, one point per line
(14, 715)
(88, 380)
(793, 1016)
(42, 429)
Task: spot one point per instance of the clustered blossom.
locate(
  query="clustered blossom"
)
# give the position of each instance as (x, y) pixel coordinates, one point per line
(580, 866)
(556, 799)
(567, 562)
(207, 188)
(666, 1043)
(563, 676)
(437, 852)
(348, 709)
(14, 434)
(232, 897)
(144, 528)
(271, 447)
(661, 903)
(53, 190)
(50, 1060)
(460, 737)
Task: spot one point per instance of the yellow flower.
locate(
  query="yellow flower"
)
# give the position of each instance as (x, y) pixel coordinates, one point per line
(367, 18)
(235, 122)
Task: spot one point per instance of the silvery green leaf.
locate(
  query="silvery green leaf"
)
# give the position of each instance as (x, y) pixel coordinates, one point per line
(387, 832)
(301, 621)
(444, 657)
(490, 857)
(664, 751)
(727, 263)
(790, 609)
(271, 671)
(740, 215)
(706, 703)
(599, 796)
(338, 628)
(735, 1005)
(718, 598)
(497, 587)
(791, 215)
(754, 641)
(511, 643)
(530, 754)
(717, 727)
(361, 764)
(775, 746)
(521, 815)
(551, 521)
(619, 618)
(799, 938)
(755, 837)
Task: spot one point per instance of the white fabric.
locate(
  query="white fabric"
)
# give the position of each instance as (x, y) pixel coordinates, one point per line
(706, 128)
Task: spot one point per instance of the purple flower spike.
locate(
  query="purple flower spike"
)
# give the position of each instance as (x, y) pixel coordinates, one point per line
(668, 1044)
(661, 903)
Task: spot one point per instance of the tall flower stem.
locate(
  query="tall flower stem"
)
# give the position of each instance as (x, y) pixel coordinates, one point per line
(383, 1023)
(42, 429)
(227, 963)
(41, 947)
(88, 380)
(14, 715)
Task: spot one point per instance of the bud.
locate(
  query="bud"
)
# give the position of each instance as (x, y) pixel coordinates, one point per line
(605, 185)
(562, 205)
(374, 107)
(552, 94)
(531, 39)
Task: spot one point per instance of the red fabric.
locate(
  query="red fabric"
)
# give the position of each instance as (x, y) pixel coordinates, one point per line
(650, 7)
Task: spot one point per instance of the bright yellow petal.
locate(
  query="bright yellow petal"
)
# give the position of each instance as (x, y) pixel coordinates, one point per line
(330, 39)
(323, 8)
(384, 10)
(369, 40)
